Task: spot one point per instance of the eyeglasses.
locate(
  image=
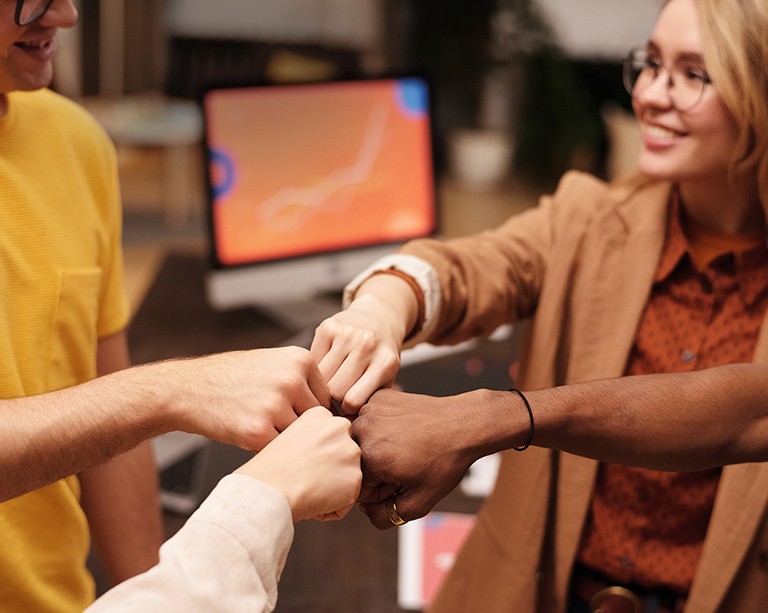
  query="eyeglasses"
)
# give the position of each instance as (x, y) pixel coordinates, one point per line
(28, 11)
(686, 80)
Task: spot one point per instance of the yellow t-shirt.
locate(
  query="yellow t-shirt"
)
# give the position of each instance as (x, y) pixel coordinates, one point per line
(61, 289)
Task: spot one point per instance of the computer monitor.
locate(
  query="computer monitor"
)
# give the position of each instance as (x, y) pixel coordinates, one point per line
(309, 183)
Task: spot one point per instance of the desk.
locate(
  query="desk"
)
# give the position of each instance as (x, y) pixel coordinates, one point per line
(338, 566)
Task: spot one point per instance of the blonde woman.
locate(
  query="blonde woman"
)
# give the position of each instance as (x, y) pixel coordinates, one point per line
(666, 272)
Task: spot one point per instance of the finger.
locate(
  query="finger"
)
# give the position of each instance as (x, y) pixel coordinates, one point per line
(321, 345)
(286, 415)
(318, 387)
(310, 394)
(335, 515)
(339, 391)
(262, 440)
(347, 375)
(377, 514)
(361, 391)
(373, 494)
(330, 363)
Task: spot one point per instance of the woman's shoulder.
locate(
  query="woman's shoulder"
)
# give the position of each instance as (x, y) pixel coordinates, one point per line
(618, 189)
(582, 200)
(592, 193)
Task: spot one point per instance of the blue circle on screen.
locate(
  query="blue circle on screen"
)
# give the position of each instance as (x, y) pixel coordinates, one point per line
(412, 97)
(222, 173)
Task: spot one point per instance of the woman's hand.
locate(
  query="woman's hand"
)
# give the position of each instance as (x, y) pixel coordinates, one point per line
(314, 463)
(358, 350)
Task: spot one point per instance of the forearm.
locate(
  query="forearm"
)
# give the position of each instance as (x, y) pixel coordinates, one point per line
(53, 435)
(121, 500)
(669, 422)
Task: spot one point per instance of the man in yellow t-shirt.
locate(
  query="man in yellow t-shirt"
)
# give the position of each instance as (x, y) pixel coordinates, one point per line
(63, 315)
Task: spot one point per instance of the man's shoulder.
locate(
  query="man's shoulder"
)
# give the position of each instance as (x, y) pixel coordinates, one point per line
(54, 111)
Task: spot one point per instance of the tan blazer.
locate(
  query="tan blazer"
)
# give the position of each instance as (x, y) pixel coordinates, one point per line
(581, 266)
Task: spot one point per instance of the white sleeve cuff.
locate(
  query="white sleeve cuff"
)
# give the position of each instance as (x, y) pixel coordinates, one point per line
(421, 272)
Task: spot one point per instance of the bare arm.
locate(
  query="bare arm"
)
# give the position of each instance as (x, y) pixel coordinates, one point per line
(121, 496)
(419, 447)
(242, 398)
(670, 422)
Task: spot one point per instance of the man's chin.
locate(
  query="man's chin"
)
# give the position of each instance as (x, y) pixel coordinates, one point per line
(33, 87)
(32, 82)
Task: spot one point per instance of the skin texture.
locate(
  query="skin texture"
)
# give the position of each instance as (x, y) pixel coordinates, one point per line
(665, 422)
(314, 463)
(692, 147)
(243, 398)
(26, 54)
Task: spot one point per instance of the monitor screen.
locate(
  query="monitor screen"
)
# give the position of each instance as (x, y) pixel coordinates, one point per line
(308, 183)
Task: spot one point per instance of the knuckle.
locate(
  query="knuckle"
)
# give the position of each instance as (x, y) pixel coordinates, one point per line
(388, 365)
(353, 401)
(299, 354)
(328, 328)
(337, 389)
(367, 340)
(256, 436)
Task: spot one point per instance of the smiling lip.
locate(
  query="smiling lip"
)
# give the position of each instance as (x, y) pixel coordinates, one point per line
(656, 136)
(40, 50)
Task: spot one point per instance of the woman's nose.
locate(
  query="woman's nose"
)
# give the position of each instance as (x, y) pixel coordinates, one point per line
(657, 91)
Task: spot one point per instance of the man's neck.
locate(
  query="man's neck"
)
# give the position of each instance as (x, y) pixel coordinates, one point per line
(3, 105)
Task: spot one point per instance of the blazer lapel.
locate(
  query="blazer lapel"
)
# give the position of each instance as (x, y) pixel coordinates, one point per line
(617, 267)
(619, 261)
(574, 495)
(742, 498)
(741, 501)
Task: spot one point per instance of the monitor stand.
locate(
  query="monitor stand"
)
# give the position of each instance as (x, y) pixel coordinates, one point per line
(301, 317)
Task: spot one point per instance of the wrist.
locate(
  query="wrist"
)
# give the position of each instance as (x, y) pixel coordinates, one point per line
(157, 399)
(502, 422)
(416, 320)
(386, 308)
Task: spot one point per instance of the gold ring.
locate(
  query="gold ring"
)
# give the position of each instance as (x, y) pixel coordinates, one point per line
(392, 512)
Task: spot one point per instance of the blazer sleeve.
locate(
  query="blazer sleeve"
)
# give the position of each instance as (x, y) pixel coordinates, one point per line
(495, 277)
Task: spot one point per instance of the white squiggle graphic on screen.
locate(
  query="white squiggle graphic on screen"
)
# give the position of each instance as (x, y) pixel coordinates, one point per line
(310, 198)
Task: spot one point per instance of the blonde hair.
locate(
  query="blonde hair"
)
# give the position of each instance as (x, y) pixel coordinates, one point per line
(735, 40)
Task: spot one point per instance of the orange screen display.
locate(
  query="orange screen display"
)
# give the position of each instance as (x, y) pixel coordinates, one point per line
(303, 169)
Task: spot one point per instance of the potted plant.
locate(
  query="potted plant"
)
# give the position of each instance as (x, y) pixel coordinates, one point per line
(476, 55)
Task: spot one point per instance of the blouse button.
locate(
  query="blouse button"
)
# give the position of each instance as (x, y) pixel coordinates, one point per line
(687, 356)
(626, 562)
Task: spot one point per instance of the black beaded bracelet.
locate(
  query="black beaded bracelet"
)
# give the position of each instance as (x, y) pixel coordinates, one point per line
(530, 416)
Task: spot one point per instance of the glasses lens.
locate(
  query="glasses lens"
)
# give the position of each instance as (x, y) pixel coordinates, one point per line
(28, 11)
(685, 82)
(634, 65)
(688, 85)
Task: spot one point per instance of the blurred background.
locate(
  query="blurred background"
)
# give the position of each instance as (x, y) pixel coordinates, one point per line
(533, 85)
(522, 91)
